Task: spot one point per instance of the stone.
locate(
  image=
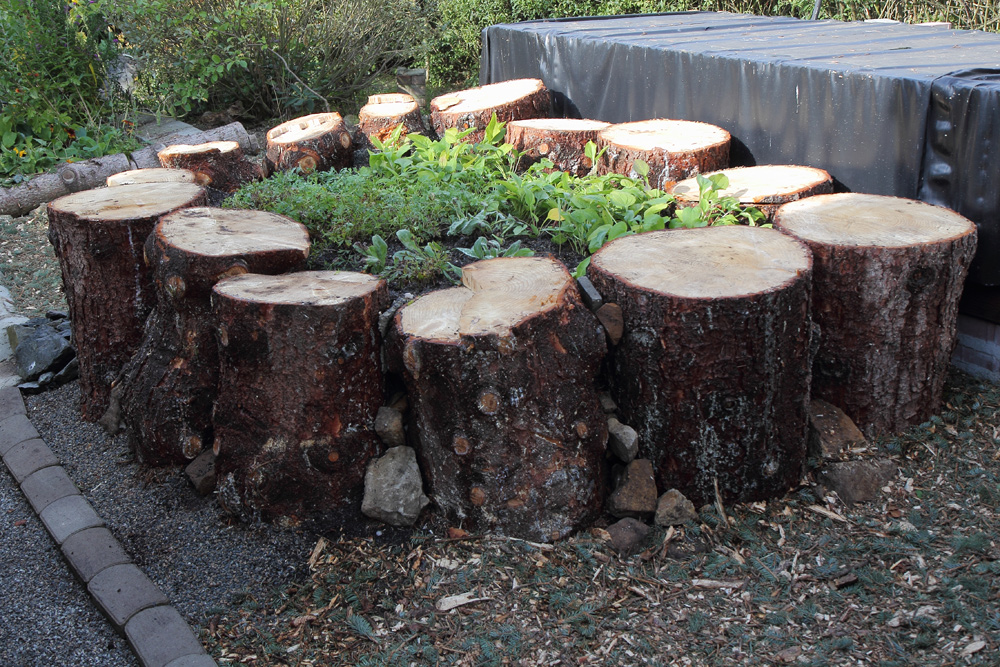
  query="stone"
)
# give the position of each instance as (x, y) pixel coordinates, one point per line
(40, 351)
(389, 426)
(628, 535)
(7, 322)
(26, 457)
(607, 403)
(11, 403)
(673, 509)
(856, 481)
(635, 494)
(68, 516)
(591, 297)
(160, 635)
(122, 591)
(47, 485)
(623, 441)
(610, 315)
(15, 430)
(92, 551)
(831, 432)
(201, 472)
(393, 488)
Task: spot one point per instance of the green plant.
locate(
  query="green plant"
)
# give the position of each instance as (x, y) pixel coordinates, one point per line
(375, 255)
(420, 263)
(712, 209)
(488, 249)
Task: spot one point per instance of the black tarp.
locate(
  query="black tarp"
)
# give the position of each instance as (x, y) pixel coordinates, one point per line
(894, 109)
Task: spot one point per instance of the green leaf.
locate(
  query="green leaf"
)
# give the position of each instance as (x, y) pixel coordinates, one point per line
(640, 167)
(554, 214)
(581, 269)
(9, 138)
(621, 199)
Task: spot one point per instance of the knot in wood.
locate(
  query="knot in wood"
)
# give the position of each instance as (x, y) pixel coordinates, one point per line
(223, 335)
(333, 457)
(489, 402)
(477, 496)
(191, 447)
(461, 445)
(307, 164)
(581, 429)
(345, 139)
(175, 287)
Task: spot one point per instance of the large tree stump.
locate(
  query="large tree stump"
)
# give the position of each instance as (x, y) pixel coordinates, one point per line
(156, 175)
(765, 187)
(561, 140)
(673, 149)
(473, 108)
(384, 113)
(713, 368)
(300, 385)
(889, 274)
(319, 142)
(98, 236)
(500, 374)
(168, 389)
(217, 164)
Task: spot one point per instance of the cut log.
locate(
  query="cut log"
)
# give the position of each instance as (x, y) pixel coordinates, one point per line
(157, 175)
(673, 149)
(889, 274)
(473, 108)
(319, 142)
(147, 158)
(384, 113)
(561, 140)
(500, 374)
(713, 368)
(168, 389)
(98, 236)
(217, 164)
(300, 384)
(765, 187)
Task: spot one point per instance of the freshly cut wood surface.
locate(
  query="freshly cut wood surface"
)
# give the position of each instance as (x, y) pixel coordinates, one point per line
(390, 98)
(221, 165)
(766, 186)
(155, 175)
(220, 232)
(306, 288)
(473, 108)
(98, 236)
(673, 149)
(384, 113)
(317, 142)
(889, 276)
(561, 140)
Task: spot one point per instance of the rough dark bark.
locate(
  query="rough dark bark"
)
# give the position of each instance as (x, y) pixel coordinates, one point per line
(713, 368)
(673, 149)
(384, 113)
(319, 142)
(98, 236)
(473, 108)
(168, 388)
(888, 279)
(155, 175)
(500, 374)
(300, 385)
(221, 165)
(561, 140)
(765, 187)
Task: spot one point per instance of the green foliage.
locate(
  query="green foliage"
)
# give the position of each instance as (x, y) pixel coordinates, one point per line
(712, 209)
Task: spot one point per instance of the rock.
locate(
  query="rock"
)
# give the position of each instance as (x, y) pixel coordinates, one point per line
(610, 315)
(7, 324)
(673, 509)
(393, 488)
(591, 297)
(201, 472)
(57, 315)
(856, 481)
(389, 426)
(628, 535)
(635, 495)
(607, 403)
(623, 441)
(69, 372)
(831, 432)
(41, 350)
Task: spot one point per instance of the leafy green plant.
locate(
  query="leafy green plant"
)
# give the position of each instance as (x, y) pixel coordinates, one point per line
(485, 248)
(712, 209)
(420, 263)
(375, 255)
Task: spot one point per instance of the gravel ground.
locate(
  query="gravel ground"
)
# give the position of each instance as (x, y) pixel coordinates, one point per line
(199, 558)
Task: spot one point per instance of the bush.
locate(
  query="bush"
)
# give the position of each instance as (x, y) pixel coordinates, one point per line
(271, 57)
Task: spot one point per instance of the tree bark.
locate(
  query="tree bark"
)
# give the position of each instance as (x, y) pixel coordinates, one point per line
(500, 374)
(319, 142)
(168, 388)
(561, 140)
(220, 165)
(156, 175)
(765, 187)
(889, 276)
(300, 384)
(473, 108)
(713, 368)
(673, 149)
(98, 236)
(384, 113)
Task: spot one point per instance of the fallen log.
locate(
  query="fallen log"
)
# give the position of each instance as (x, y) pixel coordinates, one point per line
(888, 278)
(220, 165)
(384, 113)
(168, 388)
(98, 237)
(473, 108)
(300, 384)
(156, 175)
(765, 187)
(561, 140)
(712, 370)
(319, 142)
(500, 374)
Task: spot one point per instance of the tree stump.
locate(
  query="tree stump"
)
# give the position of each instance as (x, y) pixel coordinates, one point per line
(713, 368)
(300, 384)
(561, 140)
(673, 149)
(217, 164)
(98, 236)
(473, 108)
(500, 374)
(384, 113)
(168, 389)
(889, 274)
(156, 175)
(319, 142)
(765, 187)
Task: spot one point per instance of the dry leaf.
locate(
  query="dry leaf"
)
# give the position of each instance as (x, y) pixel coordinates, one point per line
(453, 601)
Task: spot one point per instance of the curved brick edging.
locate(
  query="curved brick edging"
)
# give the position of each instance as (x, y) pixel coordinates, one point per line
(133, 604)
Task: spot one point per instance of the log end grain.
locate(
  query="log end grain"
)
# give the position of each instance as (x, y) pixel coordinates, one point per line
(155, 175)
(473, 108)
(317, 142)
(766, 186)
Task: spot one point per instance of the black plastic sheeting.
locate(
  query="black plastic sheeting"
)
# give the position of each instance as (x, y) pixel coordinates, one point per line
(910, 111)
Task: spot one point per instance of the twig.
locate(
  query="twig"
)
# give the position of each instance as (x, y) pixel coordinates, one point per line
(326, 105)
(718, 502)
